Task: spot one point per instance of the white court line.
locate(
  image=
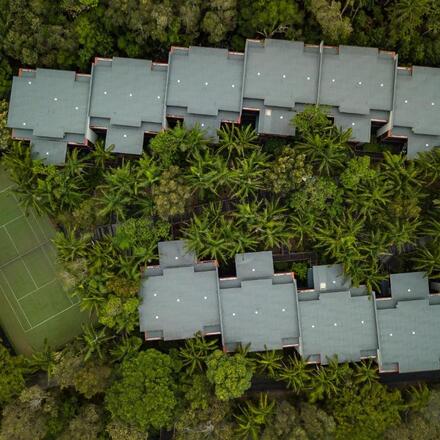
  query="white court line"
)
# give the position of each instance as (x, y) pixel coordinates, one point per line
(15, 296)
(13, 220)
(24, 264)
(13, 309)
(51, 317)
(37, 289)
(29, 272)
(13, 242)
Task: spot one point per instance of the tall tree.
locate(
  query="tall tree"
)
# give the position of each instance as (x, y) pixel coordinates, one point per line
(145, 395)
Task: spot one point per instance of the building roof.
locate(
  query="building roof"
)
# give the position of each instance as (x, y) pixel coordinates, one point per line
(50, 151)
(180, 297)
(258, 307)
(329, 277)
(130, 95)
(128, 91)
(408, 325)
(417, 101)
(416, 143)
(205, 81)
(125, 139)
(281, 73)
(208, 86)
(49, 103)
(357, 79)
(336, 319)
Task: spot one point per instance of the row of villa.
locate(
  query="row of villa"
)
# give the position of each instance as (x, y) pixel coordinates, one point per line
(183, 296)
(363, 89)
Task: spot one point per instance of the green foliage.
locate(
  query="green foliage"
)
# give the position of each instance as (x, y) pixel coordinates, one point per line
(5, 133)
(300, 270)
(267, 19)
(11, 377)
(145, 394)
(253, 417)
(195, 353)
(269, 362)
(306, 422)
(231, 375)
(329, 14)
(36, 415)
(171, 194)
(422, 421)
(172, 145)
(120, 314)
(295, 373)
(312, 121)
(205, 416)
(365, 412)
(236, 141)
(89, 377)
(288, 171)
(86, 425)
(5, 79)
(121, 431)
(141, 235)
(358, 170)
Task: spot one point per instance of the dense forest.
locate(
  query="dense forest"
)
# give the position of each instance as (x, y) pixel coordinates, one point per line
(310, 193)
(68, 34)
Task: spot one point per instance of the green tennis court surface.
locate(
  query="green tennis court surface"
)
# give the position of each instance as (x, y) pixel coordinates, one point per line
(33, 304)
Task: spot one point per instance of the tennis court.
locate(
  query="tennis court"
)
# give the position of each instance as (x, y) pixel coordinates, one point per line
(33, 304)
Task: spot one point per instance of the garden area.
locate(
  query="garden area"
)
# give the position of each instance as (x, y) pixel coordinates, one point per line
(311, 199)
(310, 195)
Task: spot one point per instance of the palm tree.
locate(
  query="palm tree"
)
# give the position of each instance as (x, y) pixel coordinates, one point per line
(94, 341)
(327, 152)
(339, 372)
(253, 417)
(403, 232)
(236, 240)
(125, 348)
(366, 373)
(427, 259)
(237, 140)
(269, 362)
(101, 156)
(248, 175)
(323, 383)
(71, 245)
(339, 238)
(208, 173)
(301, 226)
(432, 229)
(266, 221)
(402, 173)
(148, 171)
(419, 397)
(428, 164)
(44, 360)
(295, 373)
(112, 203)
(74, 166)
(129, 266)
(371, 197)
(196, 352)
